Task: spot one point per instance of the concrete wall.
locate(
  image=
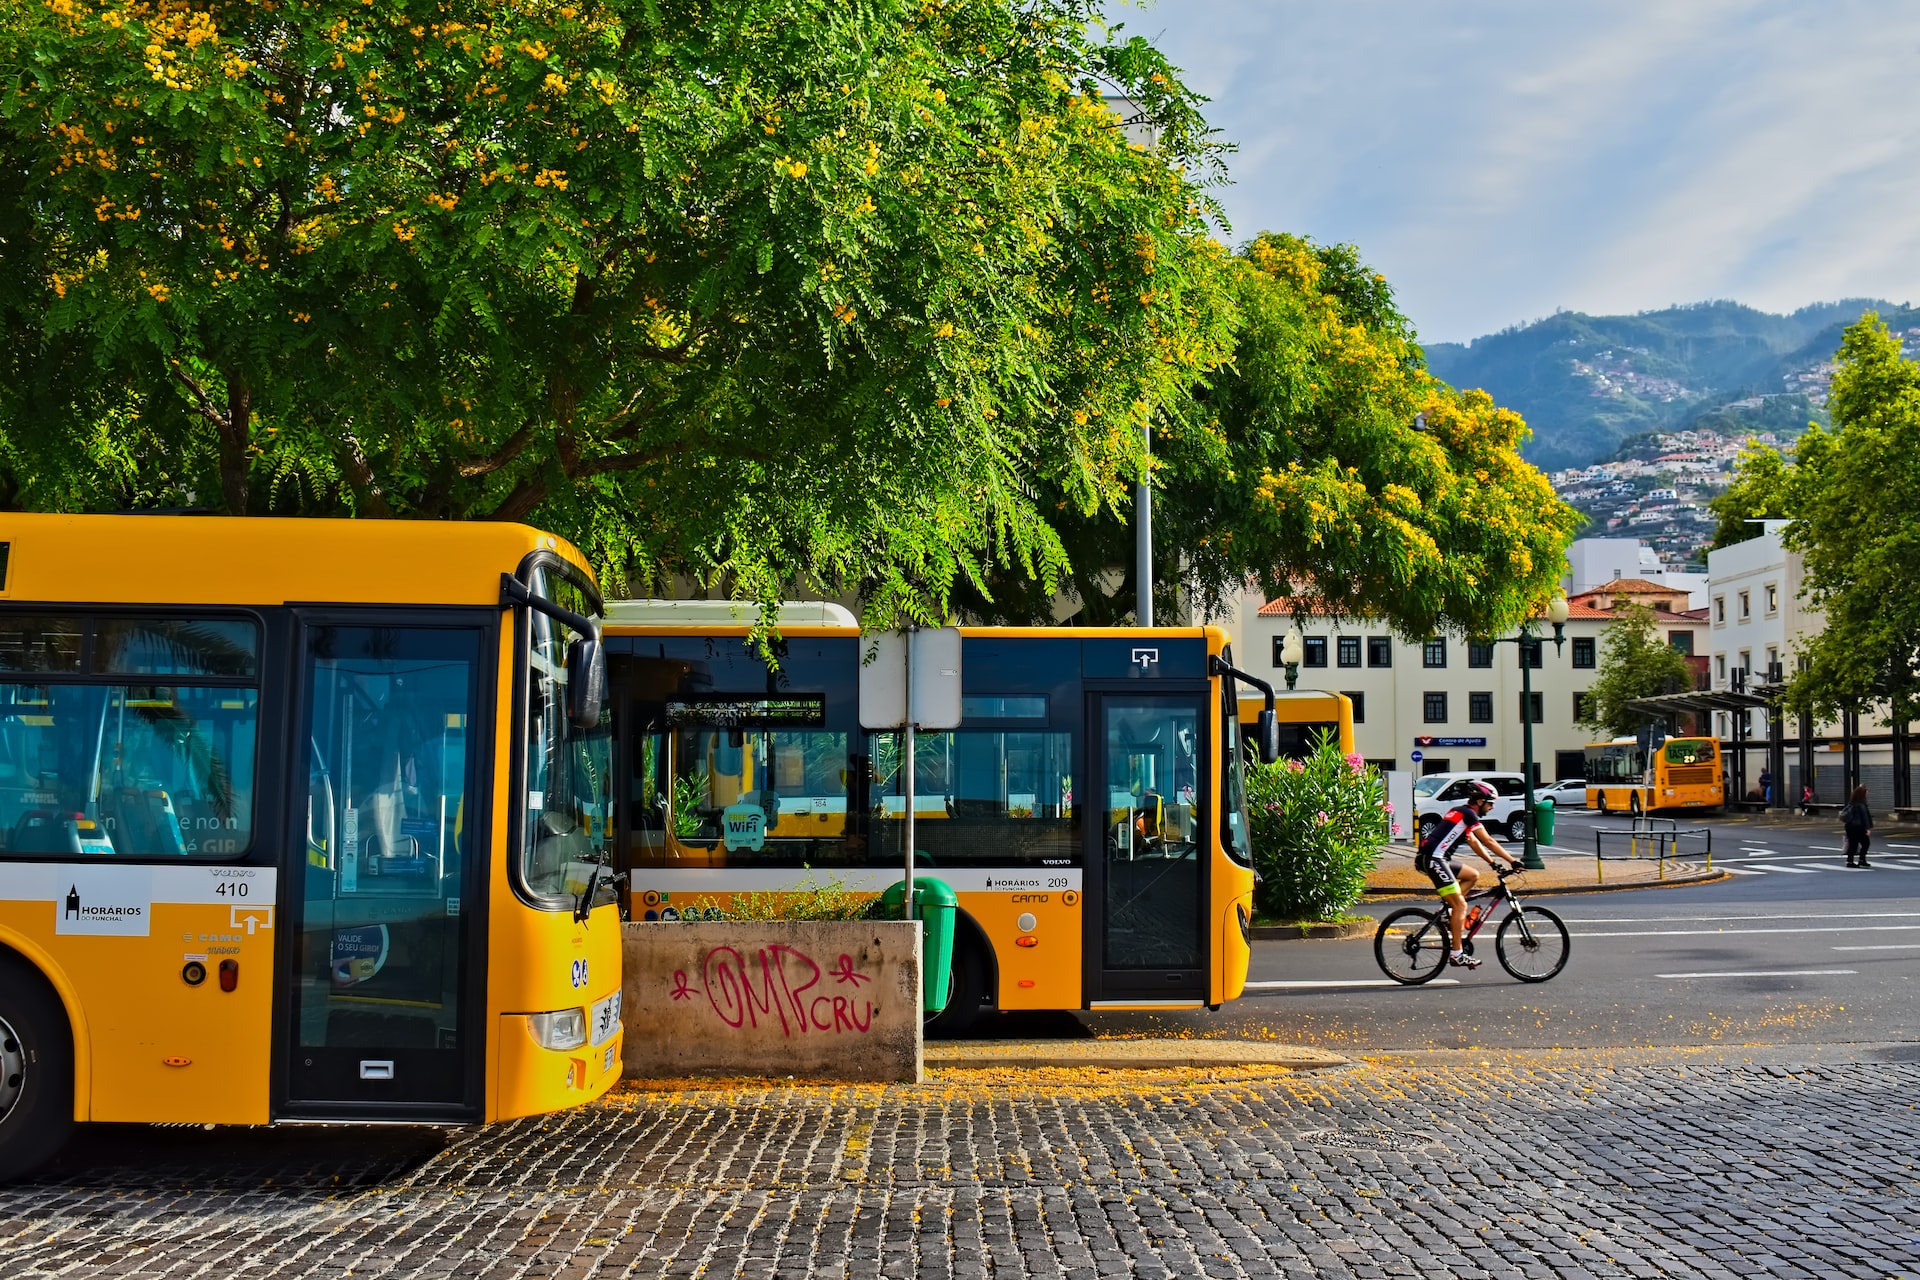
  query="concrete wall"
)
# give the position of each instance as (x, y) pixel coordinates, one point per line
(820, 1000)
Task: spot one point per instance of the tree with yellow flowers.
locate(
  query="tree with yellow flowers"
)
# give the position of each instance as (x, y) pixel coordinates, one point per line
(776, 294)
(1327, 465)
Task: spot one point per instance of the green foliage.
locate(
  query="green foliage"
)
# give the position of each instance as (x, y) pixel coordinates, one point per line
(774, 294)
(808, 900)
(1299, 466)
(1758, 491)
(1635, 662)
(1319, 825)
(1855, 495)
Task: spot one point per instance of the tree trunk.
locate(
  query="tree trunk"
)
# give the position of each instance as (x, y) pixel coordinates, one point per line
(235, 435)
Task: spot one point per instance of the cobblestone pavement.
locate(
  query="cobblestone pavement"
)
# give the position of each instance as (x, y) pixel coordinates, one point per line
(1616, 1166)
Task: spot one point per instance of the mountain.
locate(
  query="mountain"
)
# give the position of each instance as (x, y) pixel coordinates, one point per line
(1587, 383)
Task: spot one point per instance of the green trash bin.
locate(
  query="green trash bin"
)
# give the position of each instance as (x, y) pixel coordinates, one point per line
(934, 906)
(1543, 820)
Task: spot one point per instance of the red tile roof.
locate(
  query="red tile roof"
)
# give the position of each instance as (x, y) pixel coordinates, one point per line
(1630, 587)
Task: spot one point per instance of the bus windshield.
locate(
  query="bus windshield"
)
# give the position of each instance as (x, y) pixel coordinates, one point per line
(1235, 831)
(569, 812)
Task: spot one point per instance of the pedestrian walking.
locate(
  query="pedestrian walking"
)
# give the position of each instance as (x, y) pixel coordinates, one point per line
(1858, 820)
(1766, 785)
(1806, 800)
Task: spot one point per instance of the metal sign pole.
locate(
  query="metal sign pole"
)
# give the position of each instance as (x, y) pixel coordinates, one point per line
(908, 765)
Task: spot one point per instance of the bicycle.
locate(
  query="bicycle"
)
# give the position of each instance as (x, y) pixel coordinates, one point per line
(1533, 945)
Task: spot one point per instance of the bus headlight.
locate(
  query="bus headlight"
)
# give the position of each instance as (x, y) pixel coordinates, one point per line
(561, 1029)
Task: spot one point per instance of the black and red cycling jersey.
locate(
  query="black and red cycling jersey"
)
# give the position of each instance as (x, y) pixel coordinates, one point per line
(1448, 833)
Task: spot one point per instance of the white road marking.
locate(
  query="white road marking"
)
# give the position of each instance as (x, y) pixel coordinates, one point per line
(1890, 844)
(1798, 871)
(1355, 982)
(1830, 848)
(1798, 915)
(1763, 973)
(1690, 933)
(1805, 866)
(1732, 871)
(1884, 946)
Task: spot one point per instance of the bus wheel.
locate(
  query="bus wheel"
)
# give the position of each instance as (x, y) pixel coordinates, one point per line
(968, 996)
(1600, 804)
(1633, 804)
(36, 1071)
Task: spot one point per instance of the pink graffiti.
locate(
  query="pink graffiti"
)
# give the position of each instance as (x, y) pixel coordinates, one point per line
(844, 972)
(774, 984)
(681, 991)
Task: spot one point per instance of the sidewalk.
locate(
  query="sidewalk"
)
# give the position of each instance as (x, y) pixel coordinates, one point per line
(1568, 871)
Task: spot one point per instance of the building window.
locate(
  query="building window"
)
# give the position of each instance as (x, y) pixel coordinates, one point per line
(1480, 708)
(1479, 655)
(1678, 641)
(1746, 611)
(1580, 709)
(1379, 651)
(1773, 603)
(1582, 656)
(1474, 765)
(1539, 708)
(1359, 701)
(1434, 654)
(1436, 708)
(1773, 664)
(1719, 616)
(1314, 649)
(1532, 655)
(1349, 651)
(1719, 673)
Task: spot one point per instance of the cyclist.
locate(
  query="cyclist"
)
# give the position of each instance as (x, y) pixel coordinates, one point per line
(1462, 825)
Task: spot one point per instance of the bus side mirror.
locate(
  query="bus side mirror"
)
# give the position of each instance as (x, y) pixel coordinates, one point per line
(1268, 731)
(586, 682)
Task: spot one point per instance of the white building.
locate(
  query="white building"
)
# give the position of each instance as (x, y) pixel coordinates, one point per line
(1455, 702)
(1594, 562)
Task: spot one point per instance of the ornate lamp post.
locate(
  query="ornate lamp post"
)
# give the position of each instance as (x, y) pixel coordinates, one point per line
(1529, 646)
(1291, 653)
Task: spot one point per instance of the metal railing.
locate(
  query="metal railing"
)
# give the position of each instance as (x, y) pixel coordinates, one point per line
(1649, 837)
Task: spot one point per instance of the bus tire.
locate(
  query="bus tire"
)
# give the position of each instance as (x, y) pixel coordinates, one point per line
(967, 997)
(1633, 803)
(36, 1071)
(1600, 802)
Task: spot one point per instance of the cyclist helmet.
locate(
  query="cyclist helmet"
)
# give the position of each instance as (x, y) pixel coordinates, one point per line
(1479, 792)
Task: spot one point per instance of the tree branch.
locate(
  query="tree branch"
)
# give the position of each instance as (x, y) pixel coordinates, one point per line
(365, 484)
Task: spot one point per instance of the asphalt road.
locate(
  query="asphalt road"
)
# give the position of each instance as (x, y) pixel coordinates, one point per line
(1793, 949)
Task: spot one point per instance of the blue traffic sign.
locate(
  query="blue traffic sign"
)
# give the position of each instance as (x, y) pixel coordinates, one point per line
(1416, 757)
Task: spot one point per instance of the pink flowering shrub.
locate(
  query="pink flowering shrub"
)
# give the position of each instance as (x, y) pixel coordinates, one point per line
(1318, 827)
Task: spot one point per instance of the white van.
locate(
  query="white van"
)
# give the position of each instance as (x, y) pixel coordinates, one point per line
(1436, 793)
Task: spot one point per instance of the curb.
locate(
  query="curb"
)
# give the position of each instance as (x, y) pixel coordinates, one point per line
(1337, 930)
(1128, 1055)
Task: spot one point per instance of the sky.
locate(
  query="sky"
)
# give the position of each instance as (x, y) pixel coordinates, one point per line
(1503, 159)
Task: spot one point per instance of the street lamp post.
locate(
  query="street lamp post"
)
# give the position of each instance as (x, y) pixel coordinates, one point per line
(1291, 654)
(1529, 646)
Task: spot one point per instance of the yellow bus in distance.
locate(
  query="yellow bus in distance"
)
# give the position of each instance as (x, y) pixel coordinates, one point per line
(1089, 811)
(299, 820)
(1303, 715)
(1684, 774)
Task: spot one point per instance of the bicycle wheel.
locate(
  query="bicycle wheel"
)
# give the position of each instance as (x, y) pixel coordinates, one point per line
(1532, 944)
(1411, 945)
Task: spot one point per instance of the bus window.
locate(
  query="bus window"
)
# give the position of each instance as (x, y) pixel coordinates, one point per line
(91, 767)
(981, 797)
(738, 781)
(1690, 751)
(568, 815)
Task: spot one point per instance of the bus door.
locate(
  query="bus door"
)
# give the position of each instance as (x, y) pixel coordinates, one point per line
(1147, 883)
(387, 901)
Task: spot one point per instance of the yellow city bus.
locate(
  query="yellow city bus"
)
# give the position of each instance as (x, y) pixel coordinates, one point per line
(1089, 811)
(1303, 715)
(1685, 774)
(299, 820)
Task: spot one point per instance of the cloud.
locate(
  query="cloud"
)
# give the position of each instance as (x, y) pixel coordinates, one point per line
(1499, 159)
